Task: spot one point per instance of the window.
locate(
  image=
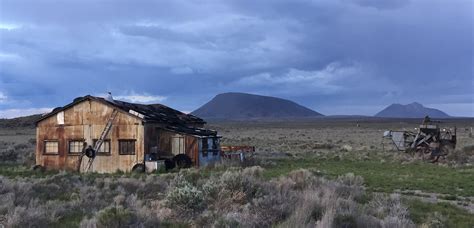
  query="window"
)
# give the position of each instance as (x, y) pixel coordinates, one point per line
(76, 146)
(51, 147)
(104, 148)
(177, 145)
(127, 147)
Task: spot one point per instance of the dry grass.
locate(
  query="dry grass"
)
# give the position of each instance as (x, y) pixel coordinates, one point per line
(236, 196)
(233, 196)
(328, 137)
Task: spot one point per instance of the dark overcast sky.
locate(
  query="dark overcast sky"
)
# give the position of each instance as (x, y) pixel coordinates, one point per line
(334, 56)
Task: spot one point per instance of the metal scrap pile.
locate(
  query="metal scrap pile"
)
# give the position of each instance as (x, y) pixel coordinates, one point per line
(430, 142)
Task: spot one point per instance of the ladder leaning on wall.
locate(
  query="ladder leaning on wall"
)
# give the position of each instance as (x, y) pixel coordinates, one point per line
(99, 142)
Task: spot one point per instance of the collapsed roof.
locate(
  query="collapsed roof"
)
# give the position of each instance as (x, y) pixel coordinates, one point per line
(153, 113)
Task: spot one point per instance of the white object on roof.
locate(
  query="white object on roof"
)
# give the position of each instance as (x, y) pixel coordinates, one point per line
(109, 97)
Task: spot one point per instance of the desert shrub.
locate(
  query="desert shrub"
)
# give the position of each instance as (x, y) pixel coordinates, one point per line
(389, 210)
(350, 179)
(8, 155)
(153, 188)
(37, 214)
(240, 186)
(302, 178)
(253, 171)
(27, 217)
(235, 197)
(115, 217)
(344, 221)
(211, 188)
(190, 175)
(307, 210)
(350, 186)
(462, 156)
(145, 215)
(185, 197)
(12, 153)
(269, 209)
(129, 185)
(88, 223)
(226, 222)
(59, 187)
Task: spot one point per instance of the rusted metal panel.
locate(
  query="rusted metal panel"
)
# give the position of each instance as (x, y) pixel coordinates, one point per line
(192, 149)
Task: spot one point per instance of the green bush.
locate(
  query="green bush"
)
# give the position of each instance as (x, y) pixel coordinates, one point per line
(185, 197)
(344, 221)
(115, 217)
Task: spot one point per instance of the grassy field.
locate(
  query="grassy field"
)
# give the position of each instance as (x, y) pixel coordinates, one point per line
(326, 151)
(387, 176)
(378, 177)
(439, 214)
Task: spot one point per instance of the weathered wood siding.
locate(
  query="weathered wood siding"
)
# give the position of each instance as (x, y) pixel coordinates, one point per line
(86, 121)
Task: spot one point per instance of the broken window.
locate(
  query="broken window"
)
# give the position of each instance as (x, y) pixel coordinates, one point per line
(127, 146)
(104, 148)
(76, 146)
(51, 147)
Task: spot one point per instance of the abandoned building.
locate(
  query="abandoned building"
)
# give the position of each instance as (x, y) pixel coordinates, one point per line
(126, 137)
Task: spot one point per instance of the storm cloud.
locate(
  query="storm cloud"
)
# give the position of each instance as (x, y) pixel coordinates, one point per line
(335, 56)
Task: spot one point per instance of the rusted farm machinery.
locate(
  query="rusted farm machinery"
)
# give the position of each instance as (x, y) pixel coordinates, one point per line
(430, 142)
(237, 153)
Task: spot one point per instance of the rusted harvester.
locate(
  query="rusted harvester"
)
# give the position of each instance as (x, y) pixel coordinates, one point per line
(430, 142)
(94, 134)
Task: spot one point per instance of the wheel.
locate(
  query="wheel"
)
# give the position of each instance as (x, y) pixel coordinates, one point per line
(138, 168)
(183, 161)
(169, 164)
(90, 153)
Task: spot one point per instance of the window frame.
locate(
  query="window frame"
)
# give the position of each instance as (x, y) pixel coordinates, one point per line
(128, 141)
(98, 153)
(45, 142)
(69, 146)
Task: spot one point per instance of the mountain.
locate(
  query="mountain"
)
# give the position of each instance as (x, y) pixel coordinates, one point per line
(243, 105)
(413, 110)
(25, 121)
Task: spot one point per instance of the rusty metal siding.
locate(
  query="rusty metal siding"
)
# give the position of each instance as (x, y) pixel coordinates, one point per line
(192, 149)
(86, 120)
